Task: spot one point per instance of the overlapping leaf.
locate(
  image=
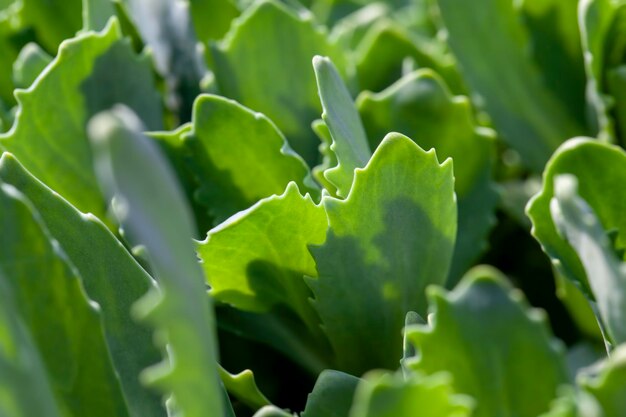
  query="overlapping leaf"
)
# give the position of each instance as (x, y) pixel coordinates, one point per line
(492, 46)
(601, 173)
(111, 278)
(601, 26)
(21, 368)
(421, 107)
(606, 273)
(488, 340)
(49, 134)
(153, 211)
(264, 63)
(47, 295)
(257, 259)
(349, 143)
(390, 238)
(239, 157)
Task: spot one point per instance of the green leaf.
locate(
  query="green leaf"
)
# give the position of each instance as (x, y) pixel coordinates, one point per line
(574, 403)
(239, 157)
(49, 298)
(555, 43)
(212, 18)
(49, 135)
(580, 227)
(244, 388)
(608, 382)
(329, 159)
(281, 330)
(332, 395)
(421, 107)
(96, 14)
(601, 173)
(381, 55)
(166, 27)
(349, 142)
(29, 64)
(9, 48)
(24, 388)
(270, 42)
(488, 339)
(257, 258)
(111, 278)
(602, 28)
(386, 395)
(496, 64)
(389, 239)
(53, 20)
(151, 206)
(272, 411)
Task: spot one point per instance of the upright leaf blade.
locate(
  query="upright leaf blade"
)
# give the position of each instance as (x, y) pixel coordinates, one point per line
(349, 142)
(389, 239)
(49, 299)
(111, 278)
(421, 107)
(152, 209)
(579, 225)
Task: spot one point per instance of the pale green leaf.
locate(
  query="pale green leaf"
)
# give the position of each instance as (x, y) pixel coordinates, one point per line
(421, 107)
(111, 278)
(389, 239)
(257, 258)
(386, 395)
(601, 172)
(487, 338)
(29, 64)
(579, 226)
(349, 142)
(272, 411)
(153, 211)
(264, 62)
(239, 157)
(243, 387)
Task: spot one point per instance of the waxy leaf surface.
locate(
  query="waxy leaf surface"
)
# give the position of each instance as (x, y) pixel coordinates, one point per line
(389, 239)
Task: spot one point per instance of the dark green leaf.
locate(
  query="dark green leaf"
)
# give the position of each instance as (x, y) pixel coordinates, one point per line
(111, 278)
(488, 339)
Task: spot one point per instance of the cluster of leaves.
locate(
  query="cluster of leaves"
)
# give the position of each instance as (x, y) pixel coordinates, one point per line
(175, 215)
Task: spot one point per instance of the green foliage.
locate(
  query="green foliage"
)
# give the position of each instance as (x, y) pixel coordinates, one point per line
(315, 208)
